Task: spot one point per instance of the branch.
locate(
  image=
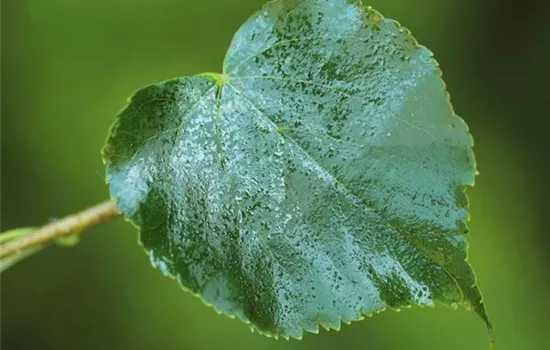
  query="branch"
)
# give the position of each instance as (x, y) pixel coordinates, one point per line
(69, 225)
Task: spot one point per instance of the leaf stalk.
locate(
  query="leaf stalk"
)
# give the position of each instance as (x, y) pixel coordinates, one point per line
(69, 225)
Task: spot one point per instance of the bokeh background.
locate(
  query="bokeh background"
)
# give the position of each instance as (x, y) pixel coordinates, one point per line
(68, 67)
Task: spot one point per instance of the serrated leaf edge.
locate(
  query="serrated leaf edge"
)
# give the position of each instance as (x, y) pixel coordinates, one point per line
(221, 79)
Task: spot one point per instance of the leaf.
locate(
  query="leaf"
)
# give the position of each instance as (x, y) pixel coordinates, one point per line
(319, 179)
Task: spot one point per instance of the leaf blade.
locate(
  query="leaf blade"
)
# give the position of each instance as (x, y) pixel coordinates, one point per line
(256, 194)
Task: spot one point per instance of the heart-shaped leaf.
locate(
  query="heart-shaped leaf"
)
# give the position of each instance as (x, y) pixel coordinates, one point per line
(320, 178)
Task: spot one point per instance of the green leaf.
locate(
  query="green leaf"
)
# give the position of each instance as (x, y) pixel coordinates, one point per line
(318, 179)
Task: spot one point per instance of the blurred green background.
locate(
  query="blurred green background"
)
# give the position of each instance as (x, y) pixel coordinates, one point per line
(68, 67)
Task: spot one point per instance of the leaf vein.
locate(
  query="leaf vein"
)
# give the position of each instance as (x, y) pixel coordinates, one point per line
(339, 90)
